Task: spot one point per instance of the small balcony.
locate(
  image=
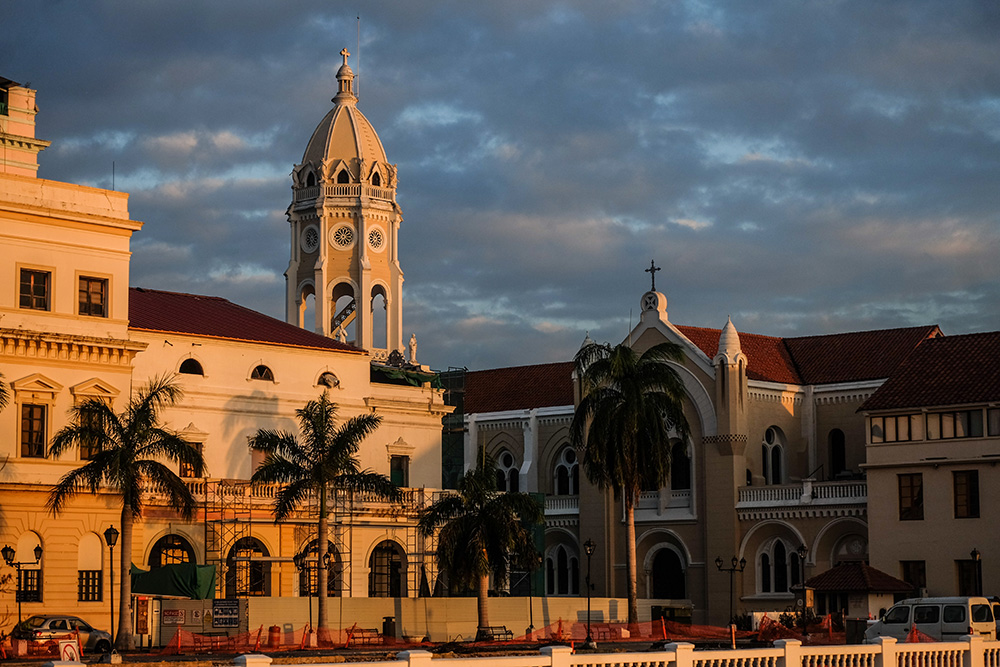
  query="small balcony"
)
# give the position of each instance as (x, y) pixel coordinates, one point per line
(562, 505)
(850, 497)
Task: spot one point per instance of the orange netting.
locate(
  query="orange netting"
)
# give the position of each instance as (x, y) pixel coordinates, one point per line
(276, 638)
(916, 636)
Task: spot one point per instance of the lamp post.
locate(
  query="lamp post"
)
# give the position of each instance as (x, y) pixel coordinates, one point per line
(111, 538)
(301, 565)
(588, 548)
(737, 566)
(9, 555)
(977, 559)
(802, 551)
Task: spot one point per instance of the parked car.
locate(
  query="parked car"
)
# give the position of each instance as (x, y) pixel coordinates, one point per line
(944, 619)
(46, 627)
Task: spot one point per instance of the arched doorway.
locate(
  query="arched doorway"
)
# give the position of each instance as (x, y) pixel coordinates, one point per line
(387, 571)
(246, 576)
(171, 550)
(667, 580)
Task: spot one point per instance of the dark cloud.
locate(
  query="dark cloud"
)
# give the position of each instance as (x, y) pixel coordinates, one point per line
(807, 167)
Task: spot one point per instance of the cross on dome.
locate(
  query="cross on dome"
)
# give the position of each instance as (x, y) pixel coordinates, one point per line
(344, 52)
(653, 268)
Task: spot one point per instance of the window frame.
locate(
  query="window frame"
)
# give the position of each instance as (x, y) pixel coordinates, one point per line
(89, 585)
(966, 493)
(49, 274)
(29, 585)
(44, 428)
(955, 424)
(910, 495)
(105, 293)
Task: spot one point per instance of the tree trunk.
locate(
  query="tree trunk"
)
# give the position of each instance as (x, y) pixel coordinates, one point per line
(633, 596)
(322, 540)
(124, 641)
(483, 602)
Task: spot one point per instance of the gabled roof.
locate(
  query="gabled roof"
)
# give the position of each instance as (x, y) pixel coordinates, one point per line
(832, 358)
(767, 358)
(215, 317)
(953, 370)
(856, 576)
(519, 388)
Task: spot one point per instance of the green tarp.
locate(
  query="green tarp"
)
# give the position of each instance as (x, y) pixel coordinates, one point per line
(412, 377)
(181, 580)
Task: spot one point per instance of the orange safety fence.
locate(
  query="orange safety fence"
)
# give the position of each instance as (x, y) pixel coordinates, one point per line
(276, 638)
(49, 647)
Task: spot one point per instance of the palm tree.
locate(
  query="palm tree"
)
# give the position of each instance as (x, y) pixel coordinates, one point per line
(484, 532)
(632, 404)
(324, 460)
(128, 450)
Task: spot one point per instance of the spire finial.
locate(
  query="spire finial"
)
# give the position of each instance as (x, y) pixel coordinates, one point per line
(653, 268)
(344, 52)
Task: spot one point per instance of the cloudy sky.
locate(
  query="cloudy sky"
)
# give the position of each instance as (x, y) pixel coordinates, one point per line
(807, 167)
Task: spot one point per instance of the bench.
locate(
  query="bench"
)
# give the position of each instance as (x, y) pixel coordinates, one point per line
(494, 633)
(365, 636)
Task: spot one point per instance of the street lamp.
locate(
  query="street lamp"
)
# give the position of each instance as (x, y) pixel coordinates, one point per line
(977, 559)
(301, 565)
(111, 538)
(8, 555)
(737, 566)
(588, 548)
(802, 551)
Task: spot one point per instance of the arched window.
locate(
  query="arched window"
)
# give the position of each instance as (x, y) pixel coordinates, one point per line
(170, 550)
(310, 179)
(191, 367)
(680, 466)
(90, 568)
(567, 473)
(772, 455)
(779, 567)
(562, 572)
(838, 452)
(507, 472)
(387, 571)
(309, 575)
(329, 380)
(262, 372)
(377, 179)
(343, 176)
(247, 575)
(667, 576)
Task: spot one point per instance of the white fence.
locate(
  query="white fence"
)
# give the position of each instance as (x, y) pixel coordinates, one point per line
(973, 652)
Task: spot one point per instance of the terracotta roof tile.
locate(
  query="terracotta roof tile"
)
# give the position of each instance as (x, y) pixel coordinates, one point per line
(855, 356)
(952, 370)
(215, 317)
(857, 576)
(519, 388)
(767, 358)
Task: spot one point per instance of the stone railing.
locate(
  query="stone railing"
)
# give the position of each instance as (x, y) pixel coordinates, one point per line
(972, 652)
(562, 505)
(807, 492)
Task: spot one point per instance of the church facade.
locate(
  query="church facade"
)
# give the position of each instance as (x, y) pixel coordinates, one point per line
(771, 488)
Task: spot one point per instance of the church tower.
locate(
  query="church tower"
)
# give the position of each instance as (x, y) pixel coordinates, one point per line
(344, 220)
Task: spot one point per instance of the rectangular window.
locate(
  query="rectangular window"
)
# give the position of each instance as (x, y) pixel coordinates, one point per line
(993, 416)
(93, 296)
(88, 585)
(966, 494)
(399, 470)
(956, 424)
(33, 431)
(893, 429)
(911, 497)
(29, 586)
(35, 289)
(914, 572)
(968, 577)
(187, 470)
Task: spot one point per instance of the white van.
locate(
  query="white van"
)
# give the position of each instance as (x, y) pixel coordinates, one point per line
(944, 619)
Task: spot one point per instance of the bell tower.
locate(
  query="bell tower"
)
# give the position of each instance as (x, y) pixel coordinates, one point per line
(344, 221)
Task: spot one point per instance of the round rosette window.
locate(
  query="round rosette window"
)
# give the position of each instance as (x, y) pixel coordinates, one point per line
(376, 239)
(343, 236)
(310, 239)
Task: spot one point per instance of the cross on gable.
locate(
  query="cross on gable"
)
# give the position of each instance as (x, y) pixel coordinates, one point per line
(653, 268)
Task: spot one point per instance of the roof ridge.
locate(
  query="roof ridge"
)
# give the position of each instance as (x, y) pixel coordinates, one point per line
(927, 327)
(190, 294)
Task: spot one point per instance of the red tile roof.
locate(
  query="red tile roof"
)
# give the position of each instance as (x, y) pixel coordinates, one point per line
(215, 317)
(519, 388)
(855, 356)
(767, 358)
(857, 576)
(953, 370)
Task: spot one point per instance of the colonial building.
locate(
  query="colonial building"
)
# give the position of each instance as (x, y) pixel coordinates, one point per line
(771, 475)
(72, 329)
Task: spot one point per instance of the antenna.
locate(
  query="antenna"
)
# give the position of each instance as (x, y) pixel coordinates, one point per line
(357, 77)
(112, 174)
(630, 327)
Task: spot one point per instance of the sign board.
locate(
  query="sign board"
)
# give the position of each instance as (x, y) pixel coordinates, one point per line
(225, 613)
(174, 616)
(142, 616)
(69, 650)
